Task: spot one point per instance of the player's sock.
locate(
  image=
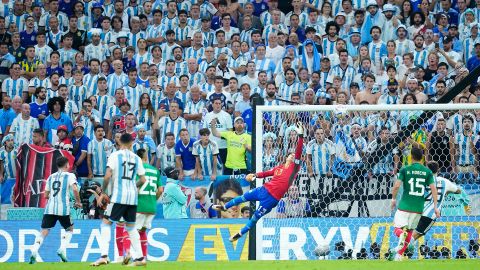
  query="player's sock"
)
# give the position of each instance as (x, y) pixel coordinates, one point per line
(119, 232)
(407, 241)
(251, 222)
(38, 243)
(144, 242)
(398, 231)
(135, 241)
(65, 240)
(105, 230)
(235, 201)
(126, 240)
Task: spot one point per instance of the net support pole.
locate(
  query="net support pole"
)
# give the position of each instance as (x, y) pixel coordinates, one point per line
(252, 236)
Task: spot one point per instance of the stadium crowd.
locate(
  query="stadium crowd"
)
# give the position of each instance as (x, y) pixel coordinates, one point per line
(180, 77)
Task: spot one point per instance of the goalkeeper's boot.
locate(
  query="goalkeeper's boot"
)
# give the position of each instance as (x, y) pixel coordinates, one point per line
(411, 248)
(235, 237)
(391, 254)
(138, 262)
(33, 258)
(126, 258)
(62, 255)
(218, 207)
(101, 261)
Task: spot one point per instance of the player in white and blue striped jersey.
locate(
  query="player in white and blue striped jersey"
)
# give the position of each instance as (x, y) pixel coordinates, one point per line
(98, 151)
(320, 155)
(123, 170)
(444, 187)
(206, 155)
(57, 192)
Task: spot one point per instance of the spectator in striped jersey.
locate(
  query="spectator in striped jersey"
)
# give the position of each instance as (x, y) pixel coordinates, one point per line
(98, 150)
(320, 155)
(8, 156)
(206, 156)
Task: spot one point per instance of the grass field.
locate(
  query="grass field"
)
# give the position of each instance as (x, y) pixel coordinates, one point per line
(269, 265)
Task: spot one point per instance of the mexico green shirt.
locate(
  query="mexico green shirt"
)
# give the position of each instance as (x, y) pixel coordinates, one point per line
(147, 194)
(415, 180)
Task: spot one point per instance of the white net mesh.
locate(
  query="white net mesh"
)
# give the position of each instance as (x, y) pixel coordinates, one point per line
(340, 202)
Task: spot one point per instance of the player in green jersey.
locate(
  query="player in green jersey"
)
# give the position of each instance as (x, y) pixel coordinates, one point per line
(148, 195)
(414, 179)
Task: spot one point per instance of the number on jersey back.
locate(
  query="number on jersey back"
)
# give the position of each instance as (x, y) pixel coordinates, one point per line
(415, 178)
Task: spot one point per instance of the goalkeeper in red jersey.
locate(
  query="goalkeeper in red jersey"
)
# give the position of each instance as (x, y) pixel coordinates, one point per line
(271, 192)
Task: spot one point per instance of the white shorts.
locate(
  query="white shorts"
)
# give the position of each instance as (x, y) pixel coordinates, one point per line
(188, 172)
(143, 221)
(406, 219)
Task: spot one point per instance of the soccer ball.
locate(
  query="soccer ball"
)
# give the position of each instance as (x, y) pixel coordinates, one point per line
(322, 250)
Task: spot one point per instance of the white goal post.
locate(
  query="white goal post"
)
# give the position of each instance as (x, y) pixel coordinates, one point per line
(350, 214)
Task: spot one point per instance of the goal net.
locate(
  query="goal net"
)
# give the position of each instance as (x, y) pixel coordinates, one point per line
(339, 206)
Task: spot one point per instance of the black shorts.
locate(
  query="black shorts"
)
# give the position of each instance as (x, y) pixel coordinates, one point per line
(424, 225)
(49, 221)
(128, 212)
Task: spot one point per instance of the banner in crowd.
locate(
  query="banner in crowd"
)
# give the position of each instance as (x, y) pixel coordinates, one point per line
(169, 240)
(297, 238)
(335, 197)
(34, 166)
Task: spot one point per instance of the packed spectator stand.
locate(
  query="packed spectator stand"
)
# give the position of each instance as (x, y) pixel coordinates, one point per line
(180, 76)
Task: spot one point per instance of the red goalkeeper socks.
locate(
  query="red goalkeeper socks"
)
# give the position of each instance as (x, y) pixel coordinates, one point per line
(398, 232)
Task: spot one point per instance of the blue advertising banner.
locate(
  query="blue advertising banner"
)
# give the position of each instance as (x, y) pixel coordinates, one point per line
(297, 238)
(169, 240)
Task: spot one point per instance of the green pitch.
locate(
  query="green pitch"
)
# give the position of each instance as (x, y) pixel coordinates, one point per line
(269, 265)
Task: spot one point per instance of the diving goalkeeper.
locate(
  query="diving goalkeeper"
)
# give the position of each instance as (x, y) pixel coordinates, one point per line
(271, 192)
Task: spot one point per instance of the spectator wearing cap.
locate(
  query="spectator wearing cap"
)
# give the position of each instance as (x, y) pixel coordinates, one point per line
(23, 125)
(79, 151)
(63, 142)
(96, 50)
(448, 55)
(353, 44)
(403, 44)
(474, 61)
(469, 41)
(391, 22)
(97, 17)
(373, 18)
(453, 33)
(238, 143)
(391, 96)
(8, 156)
